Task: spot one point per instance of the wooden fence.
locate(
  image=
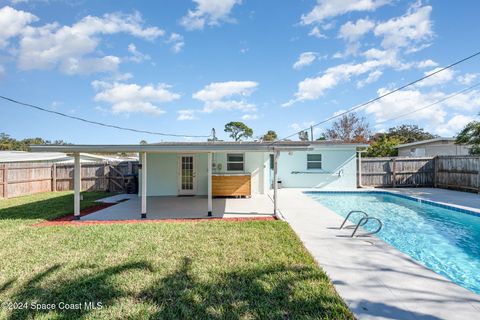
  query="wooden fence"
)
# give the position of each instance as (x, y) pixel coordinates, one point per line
(20, 178)
(458, 172)
(453, 172)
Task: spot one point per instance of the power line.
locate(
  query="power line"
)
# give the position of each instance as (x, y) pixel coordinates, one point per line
(101, 123)
(431, 104)
(384, 95)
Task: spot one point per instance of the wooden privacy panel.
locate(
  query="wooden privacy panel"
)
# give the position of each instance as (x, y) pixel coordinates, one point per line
(397, 172)
(17, 179)
(458, 172)
(453, 172)
(239, 185)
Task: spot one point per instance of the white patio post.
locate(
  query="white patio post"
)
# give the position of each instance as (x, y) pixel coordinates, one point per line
(275, 182)
(144, 184)
(77, 186)
(209, 185)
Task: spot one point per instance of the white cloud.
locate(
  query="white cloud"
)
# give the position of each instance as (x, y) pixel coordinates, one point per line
(305, 59)
(219, 96)
(133, 98)
(315, 32)
(219, 90)
(372, 77)
(209, 12)
(438, 78)
(176, 42)
(454, 125)
(406, 101)
(325, 9)
(408, 30)
(250, 117)
(70, 48)
(314, 88)
(2, 71)
(415, 106)
(467, 78)
(137, 56)
(72, 65)
(12, 23)
(466, 101)
(427, 64)
(186, 114)
(354, 31)
(351, 33)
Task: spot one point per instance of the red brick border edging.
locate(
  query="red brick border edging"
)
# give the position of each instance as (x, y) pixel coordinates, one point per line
(68, 219)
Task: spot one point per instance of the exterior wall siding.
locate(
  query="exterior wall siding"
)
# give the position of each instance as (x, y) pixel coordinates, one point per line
(434, 149)
(339, 169)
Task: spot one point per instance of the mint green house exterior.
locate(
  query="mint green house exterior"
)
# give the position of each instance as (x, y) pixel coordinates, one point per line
(337, 169)
(172, 169)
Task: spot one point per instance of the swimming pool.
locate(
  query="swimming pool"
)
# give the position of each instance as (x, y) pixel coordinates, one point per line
(443, 239)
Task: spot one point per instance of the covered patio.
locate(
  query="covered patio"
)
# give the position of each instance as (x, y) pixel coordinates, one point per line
(172, 207)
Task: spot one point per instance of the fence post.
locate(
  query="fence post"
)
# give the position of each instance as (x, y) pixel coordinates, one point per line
(106, 173)
(478, 174)
(54, 177)
(394, 174)
(5, 181)
(435, 171)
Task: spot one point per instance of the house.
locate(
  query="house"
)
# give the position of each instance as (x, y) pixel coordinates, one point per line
(432, 147)
(237, 169)
(57, 157)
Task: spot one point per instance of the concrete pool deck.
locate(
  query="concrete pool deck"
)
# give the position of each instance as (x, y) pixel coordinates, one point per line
(376, 280)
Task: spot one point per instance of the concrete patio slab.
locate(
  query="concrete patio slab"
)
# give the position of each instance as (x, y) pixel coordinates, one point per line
(376, 280)
(172, 207)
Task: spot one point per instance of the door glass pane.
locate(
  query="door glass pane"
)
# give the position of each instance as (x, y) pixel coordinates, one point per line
(187, 173)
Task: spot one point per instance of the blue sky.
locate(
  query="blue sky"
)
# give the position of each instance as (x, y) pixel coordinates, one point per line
(185, 67)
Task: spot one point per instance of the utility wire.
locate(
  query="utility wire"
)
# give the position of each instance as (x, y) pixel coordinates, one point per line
(100, 123)
(431, 104)
(384, 95)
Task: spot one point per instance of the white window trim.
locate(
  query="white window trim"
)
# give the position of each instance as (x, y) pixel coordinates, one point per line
(227, 162)
(315, 161)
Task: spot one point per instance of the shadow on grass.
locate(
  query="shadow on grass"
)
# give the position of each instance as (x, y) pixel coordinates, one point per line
(97, 287)
(47, 209)
(271, 292)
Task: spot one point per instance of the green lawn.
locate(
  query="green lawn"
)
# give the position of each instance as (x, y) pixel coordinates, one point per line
(206, 270)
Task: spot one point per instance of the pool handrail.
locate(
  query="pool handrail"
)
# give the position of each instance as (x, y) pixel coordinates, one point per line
(365, 215)
(365, 220)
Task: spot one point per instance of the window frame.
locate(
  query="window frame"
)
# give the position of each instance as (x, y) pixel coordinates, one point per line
(315, 161)
(235, 162)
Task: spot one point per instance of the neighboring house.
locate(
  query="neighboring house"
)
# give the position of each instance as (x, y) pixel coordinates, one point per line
(58, 157)
(231, 168)
(432, 147)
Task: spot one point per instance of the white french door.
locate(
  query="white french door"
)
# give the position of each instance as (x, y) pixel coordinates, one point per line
(187, 183)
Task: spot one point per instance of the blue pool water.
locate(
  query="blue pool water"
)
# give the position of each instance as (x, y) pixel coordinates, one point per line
(442, 239)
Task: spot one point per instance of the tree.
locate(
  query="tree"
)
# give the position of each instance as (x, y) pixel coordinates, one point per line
(408, 133)
(143, 142)
(303, 136)
(349, 128)
(9, 143)
(470, 135)
(270, 136)
(238, 130)
(383, 146)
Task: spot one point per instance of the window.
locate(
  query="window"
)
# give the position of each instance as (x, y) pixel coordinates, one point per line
(314, 161)
(235, 161)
